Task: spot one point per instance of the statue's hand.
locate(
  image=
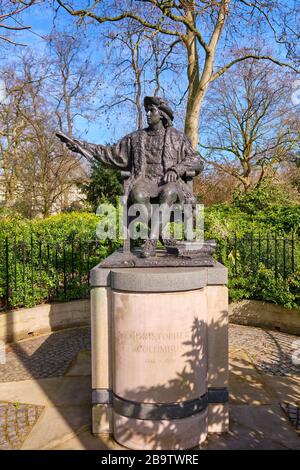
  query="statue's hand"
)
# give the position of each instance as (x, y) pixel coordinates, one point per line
(77, 146)
(170, 176)
(71, 146)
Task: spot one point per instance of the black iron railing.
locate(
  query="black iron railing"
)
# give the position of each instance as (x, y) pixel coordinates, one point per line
(37, 271)
(279, 254)
(41, 271)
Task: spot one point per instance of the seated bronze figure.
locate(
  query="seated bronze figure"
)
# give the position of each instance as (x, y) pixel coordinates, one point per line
(158, 160)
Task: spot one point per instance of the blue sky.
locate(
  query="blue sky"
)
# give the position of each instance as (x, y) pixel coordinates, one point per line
(40, 17)
(41, 20)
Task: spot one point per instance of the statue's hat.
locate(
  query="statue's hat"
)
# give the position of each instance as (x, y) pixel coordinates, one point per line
(160, 103)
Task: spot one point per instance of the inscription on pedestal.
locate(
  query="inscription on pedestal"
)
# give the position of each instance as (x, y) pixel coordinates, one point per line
(157, 343)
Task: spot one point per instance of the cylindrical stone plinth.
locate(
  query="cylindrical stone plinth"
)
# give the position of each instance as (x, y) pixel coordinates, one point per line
(160, 389)
(159, 369)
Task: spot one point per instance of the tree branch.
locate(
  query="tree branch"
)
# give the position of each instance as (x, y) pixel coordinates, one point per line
(4, 16)
(14, 28)
(112, 19)
(221, 148)
(266, 16)
(12, 42)
(251, 56)
(223, 12)
(166, 10)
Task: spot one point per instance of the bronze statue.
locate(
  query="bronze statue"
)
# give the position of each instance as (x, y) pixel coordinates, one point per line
(158, 158)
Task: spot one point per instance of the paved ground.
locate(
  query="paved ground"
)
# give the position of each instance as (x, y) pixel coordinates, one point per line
(45, 393)
(270, 351)
(50, 356)
(16, 420)
(45, 356)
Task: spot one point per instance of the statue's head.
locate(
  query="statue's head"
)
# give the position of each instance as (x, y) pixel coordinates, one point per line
(158, 109)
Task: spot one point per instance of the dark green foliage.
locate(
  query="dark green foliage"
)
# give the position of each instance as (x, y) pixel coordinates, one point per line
(49, 259)
(258, 240)
(104, 186)
(262, 268)
(262, 284)
(261, 198)
(294, 286)
(222, 220)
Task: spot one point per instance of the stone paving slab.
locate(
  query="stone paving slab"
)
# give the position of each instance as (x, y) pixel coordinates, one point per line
(38, 392)
(256, 428)
(74, 391)
(248, 392)
(84, 440)
(246, 385)
(57, 426)
(81, 365)
(269, 422)
(285, 389)
(52, 392)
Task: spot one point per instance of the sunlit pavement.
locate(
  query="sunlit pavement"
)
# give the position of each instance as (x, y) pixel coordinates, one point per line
(45, 393)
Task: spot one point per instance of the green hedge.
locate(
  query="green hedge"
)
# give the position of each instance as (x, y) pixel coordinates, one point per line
(50, 259)
(260, 248)
(222, 220)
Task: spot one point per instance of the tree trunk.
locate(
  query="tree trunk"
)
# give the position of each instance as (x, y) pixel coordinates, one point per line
(69, 119)
(138, 102)
(199, 82)
(197, 86)
(193, 104)
(192, 116)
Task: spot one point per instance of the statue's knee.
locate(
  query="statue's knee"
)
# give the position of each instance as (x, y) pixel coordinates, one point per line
(168, 195)
(138, 196)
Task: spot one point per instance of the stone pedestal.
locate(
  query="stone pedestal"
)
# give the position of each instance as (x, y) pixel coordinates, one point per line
(159, 355)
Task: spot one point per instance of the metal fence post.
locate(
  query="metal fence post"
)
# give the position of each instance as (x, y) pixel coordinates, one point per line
(276, 256)
(7, 286)
(293, 252)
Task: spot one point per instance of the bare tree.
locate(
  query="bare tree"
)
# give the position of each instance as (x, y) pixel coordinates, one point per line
(214, 186)
(36, 170)
(249, 133)
(10, 11)
(289, 171)
(12, 127)
(74, 79)
(127, 65)
(199, 26)
(136, 61)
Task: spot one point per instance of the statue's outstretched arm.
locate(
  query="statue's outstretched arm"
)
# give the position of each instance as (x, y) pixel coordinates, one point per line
(77, 146)
(114, 155)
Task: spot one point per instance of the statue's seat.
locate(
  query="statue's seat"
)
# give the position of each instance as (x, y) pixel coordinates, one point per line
(125, 175)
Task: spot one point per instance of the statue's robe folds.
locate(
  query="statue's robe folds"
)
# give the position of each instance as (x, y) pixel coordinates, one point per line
(130, 154)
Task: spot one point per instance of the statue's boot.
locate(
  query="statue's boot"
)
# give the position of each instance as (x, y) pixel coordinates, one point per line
(168, 241)
(149, 248)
